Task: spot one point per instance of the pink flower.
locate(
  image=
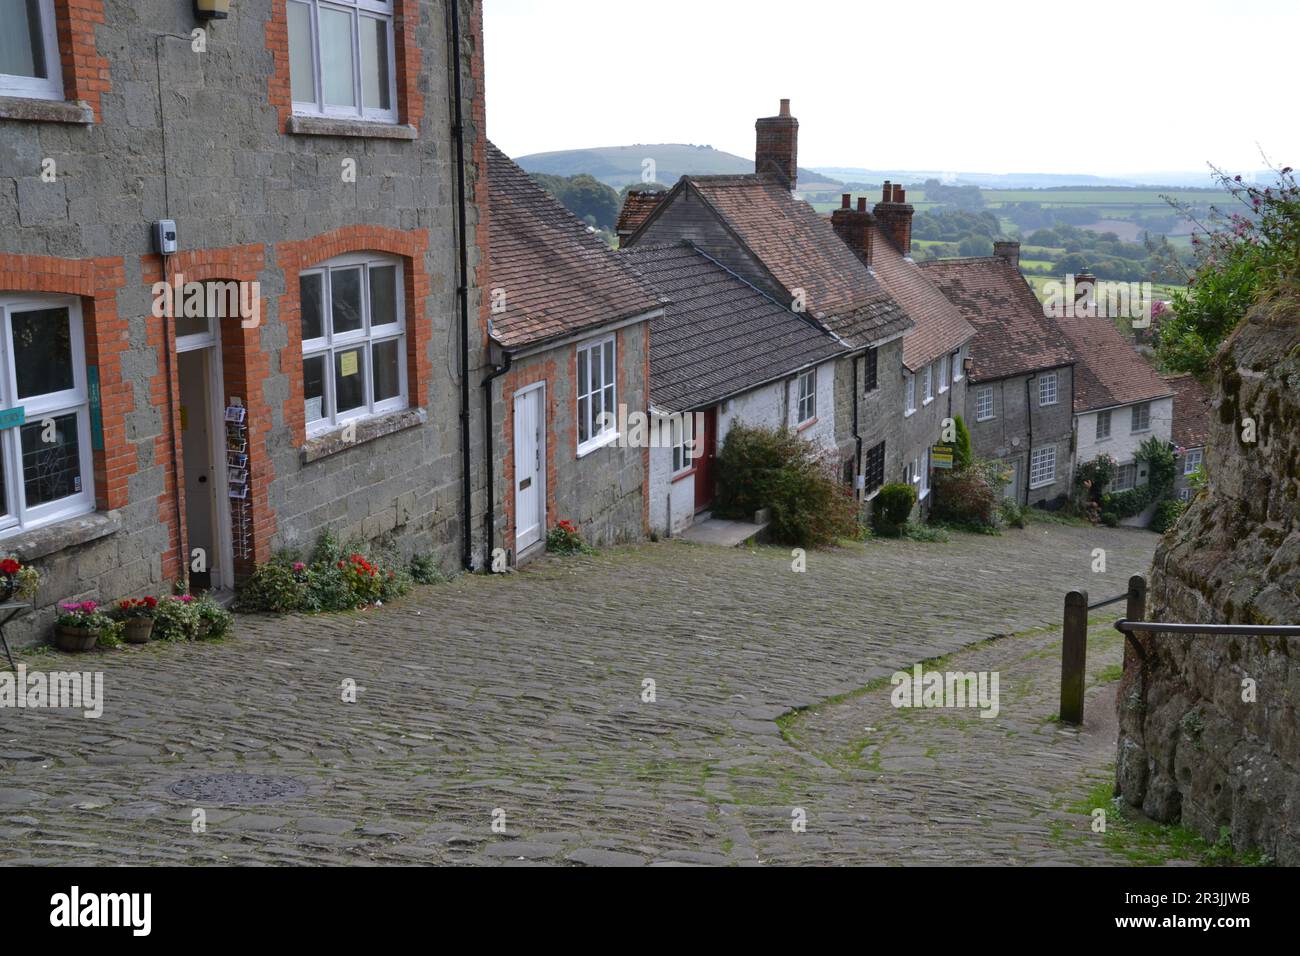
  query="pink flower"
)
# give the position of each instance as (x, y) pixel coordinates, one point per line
(299, 566)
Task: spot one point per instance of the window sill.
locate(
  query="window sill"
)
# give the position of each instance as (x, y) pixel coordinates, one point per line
(597, 444)
(336, 126)
(908, 413)
(367, 429)
(1041, 484)
(927, 403)
(982, 420)
(683, 475)
(45, 111)
(804, 426)
(70, 532)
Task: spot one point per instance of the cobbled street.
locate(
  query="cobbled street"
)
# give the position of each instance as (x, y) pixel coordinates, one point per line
(518, 701)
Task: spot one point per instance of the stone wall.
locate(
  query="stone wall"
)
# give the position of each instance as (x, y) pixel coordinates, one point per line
(1196, 745)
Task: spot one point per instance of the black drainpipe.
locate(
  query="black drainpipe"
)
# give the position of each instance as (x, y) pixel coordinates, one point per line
(857, 438)
(491, 519)
(462, 291)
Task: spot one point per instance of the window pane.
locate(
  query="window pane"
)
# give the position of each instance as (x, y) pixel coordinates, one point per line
(609, 363)
(583, 420)
(349, 380)
(22, 44)
(383, 295)
(42, 352)
(610, 422)
(388, 379)
(596, 379)
(311, 290)
(51, 470)
(583, 358)
(313, 387)
(345, 299)
(302, 57)
(336, 67)
(374, 64)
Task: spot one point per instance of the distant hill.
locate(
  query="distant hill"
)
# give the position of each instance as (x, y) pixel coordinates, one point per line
(1180, 180)
(618, 166)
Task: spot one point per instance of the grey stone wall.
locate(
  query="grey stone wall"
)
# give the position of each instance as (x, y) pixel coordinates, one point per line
(194, 137)
(1209, 725)
(1008, 436)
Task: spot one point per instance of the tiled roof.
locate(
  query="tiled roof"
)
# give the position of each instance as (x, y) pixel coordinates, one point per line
(557, 277)
(940, 327)
(1012, 337)
(719, 335)
(802, 251)
(637, 205)
(1191, 411)
(1107, 371)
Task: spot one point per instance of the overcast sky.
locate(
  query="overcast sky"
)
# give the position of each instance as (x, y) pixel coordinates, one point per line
(1104, 87)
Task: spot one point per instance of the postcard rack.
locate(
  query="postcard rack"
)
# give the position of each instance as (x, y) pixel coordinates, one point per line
(241, 518)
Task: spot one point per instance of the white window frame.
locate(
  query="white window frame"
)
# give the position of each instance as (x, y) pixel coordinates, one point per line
(1103, 417)
(384, 10)
(364, 338)
(1142, 415)
(957, 371)
(599, 432)
(943, 374)
(1049, 392)
(981, 393)
(1195, 456)
(17, 516)
(1039, 461)
(35, 87)
(806, 406)
(683, 432)
(923, 476)
(927, 388)
(1121, 470)
(909, 393)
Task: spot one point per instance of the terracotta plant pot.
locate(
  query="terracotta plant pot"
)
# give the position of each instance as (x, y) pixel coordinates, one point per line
(75, 639)
(138, 630)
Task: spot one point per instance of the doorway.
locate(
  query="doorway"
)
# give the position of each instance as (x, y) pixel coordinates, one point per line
(530, 471)
(704, 472)
(209, 552)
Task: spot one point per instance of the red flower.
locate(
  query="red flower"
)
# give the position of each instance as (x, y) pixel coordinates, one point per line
(10, 566)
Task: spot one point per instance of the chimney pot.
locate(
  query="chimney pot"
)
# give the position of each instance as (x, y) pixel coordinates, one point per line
(1008, 250)
(845, 200)
(785, 107)
(899, 195)
(886, 192)
(862, 204)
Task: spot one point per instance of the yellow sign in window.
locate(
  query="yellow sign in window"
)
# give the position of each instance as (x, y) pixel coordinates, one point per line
(348, 364)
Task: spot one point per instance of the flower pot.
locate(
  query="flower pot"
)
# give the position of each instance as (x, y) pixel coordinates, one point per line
(75, 639)
(138, 630)
(7, 588)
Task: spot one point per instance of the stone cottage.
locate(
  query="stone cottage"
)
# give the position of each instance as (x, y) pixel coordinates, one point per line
(1020, 389)
(571, 326)
(229, 270)
(723, 352)
(755, 226)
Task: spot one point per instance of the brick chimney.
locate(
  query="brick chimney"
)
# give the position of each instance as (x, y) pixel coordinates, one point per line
(776, 156)
(1085, 293)
(1008, 250)
(895, 216)
(854, 226)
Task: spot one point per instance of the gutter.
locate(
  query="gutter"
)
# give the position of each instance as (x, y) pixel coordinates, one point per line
(462, 289)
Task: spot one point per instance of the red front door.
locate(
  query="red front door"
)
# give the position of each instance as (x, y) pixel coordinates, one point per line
(708, 446)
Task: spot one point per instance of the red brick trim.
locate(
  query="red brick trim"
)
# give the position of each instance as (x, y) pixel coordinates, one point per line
(85, 72)
(529, 372)
(294, 257)
(406, 51)
(245, 367)
(96, 283)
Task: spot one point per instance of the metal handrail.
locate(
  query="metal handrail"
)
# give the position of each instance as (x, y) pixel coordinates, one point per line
(1240, 630)
(1108, 602)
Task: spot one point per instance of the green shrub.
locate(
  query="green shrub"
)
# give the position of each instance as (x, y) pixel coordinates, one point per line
(925, 533)
(797, 482)
(338, 579)
(892, 509)
(1013, 514)
(962, 455)
(968, 498)
(177, 618)
(1110, 519)
(216, 617)
(565, 538)
(1167, 515)
(424, 570)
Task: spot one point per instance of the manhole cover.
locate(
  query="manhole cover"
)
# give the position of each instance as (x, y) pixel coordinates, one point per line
(237, 788)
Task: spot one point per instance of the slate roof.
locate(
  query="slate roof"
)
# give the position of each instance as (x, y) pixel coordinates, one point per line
(1107, 371)
(557, 277)
(719, 335)
(940, 326)
(637, 206)
(1191, 411)
(802, 251)
(1012, 336)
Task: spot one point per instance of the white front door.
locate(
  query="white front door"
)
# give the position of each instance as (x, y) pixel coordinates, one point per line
(1011, 489)
(530, 456)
